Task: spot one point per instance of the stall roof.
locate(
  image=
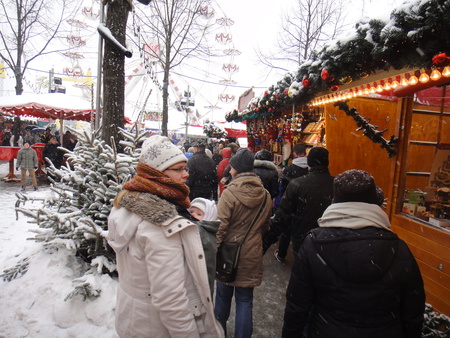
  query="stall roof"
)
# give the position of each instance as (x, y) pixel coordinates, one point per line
(54, 106)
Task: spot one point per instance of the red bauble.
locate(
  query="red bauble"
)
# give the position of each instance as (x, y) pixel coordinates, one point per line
(333, 88)
(305, 82)
(441, 60)
(326, 76)
(286, 91)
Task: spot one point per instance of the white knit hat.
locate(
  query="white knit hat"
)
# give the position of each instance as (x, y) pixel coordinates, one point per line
(160, 153)
(207, 206)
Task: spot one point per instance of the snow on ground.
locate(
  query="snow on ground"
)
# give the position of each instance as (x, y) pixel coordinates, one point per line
(34, 304)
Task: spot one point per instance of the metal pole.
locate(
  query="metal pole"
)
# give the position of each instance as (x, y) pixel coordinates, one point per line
(187, 116)
(99, 71)
(50, 80)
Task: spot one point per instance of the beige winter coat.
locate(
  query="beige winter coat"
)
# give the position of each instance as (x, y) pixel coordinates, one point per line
(163, 284)
(236, 208)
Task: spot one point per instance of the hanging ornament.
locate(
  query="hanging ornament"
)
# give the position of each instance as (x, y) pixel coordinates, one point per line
(326, 76)
(441, 60)
(305, 82)
(286, 92)
(335, 87)
(346, 79)
(362, 75)
(295, 88)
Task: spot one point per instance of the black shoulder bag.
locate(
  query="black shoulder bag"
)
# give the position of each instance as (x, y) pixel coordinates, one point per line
(228, 254)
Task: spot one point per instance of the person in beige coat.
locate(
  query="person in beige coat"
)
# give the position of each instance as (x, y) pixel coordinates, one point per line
(237, 207)
(163, 283)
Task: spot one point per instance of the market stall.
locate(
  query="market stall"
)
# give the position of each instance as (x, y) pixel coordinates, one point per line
(54, 106)
(385, 107)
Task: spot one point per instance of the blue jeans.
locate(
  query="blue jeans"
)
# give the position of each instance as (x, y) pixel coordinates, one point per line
(243, 326)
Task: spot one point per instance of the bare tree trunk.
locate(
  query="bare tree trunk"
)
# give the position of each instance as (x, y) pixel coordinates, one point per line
(19, 81)
(165, 108)
(114, 73)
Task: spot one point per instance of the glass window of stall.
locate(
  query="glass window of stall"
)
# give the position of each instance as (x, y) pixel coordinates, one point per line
(426, 194)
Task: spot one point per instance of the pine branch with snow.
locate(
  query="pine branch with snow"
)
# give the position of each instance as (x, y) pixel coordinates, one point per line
(82, 191)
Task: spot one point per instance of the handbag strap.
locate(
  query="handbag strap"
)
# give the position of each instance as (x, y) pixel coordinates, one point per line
(256, 217)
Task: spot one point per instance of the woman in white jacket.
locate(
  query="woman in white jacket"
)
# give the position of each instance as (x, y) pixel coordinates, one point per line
(163, 284)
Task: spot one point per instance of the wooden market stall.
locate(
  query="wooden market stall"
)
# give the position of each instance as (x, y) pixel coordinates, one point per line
(381, 101)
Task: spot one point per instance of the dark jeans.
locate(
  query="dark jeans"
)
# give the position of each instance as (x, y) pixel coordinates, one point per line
(243, 325)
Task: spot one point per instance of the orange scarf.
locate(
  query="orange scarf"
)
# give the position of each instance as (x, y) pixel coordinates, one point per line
(151, 180)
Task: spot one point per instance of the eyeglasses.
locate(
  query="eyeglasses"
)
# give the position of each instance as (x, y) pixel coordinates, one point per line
(180, 170)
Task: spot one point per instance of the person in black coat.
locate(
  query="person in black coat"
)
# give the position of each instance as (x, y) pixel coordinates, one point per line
(52, 152)
(267, 172)
(304, 201)
(353, 277)
(298, 167)
(202, 180)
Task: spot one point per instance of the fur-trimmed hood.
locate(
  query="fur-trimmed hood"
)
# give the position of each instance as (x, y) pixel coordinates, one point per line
(150, 207)
(136, 207)
(265, 164)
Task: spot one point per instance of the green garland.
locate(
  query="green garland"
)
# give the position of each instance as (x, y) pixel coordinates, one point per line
(370, 130)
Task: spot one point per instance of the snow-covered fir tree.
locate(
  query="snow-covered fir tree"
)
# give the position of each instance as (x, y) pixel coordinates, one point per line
(82, 191)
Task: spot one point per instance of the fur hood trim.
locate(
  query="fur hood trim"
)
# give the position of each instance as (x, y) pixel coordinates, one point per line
(150, 207)
(265, 164)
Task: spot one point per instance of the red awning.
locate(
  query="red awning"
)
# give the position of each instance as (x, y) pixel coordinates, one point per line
(236, 133)
(54, 106)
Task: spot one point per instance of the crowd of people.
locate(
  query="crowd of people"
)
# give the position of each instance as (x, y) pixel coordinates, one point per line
(352, 276)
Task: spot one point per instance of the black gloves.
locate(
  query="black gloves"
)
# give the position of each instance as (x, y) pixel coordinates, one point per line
(269, 238)
(17, 169)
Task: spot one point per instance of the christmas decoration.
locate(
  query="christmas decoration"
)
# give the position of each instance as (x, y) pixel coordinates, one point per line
(441, 60)
(370, 130)
(305, 82)
(376, 45)
(211, 130)
(325, 75)
(345, 80)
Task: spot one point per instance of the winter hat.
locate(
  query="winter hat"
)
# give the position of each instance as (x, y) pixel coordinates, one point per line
(160, 153)
(263, 155)
(207, 206)
(318, 156)
(242, 161)
(355, 186)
